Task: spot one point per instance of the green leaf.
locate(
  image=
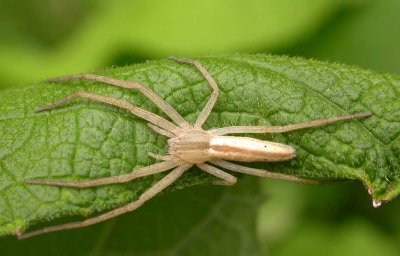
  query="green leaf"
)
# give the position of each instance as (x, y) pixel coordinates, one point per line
(164, 226)
(86, 140)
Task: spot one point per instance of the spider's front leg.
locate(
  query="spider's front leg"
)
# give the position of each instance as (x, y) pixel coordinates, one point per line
(154, 119)
(152, 96)
(214, 96)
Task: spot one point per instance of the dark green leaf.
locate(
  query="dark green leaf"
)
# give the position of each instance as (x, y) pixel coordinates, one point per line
(185, 222)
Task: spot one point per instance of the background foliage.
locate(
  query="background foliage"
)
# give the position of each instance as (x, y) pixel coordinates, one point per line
(56, 37)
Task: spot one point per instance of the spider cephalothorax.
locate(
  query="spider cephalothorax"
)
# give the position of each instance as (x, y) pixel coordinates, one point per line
(192, 146)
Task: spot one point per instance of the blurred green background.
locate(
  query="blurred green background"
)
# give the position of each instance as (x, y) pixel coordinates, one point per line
(41, 39)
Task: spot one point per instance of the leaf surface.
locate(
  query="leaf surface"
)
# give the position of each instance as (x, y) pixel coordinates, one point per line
(85, 140)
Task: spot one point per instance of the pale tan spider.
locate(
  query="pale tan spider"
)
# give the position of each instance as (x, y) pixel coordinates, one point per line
(189, 145)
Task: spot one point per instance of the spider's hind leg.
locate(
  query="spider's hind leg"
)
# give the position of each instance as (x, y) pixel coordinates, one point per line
(226, 178)
(287, 128)
(263, 173)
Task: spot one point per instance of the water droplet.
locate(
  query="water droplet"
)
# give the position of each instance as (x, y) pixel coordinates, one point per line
(376, 204)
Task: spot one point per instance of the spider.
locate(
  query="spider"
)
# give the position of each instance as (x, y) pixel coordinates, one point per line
(189, 145)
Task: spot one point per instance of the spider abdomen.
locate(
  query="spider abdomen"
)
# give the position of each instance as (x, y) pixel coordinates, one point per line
(246, 149)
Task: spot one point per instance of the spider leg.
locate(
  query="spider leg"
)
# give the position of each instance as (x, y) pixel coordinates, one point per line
(214, 96)
(159, 157)
(157, 100)
(141, 172)
(261, 173)
(227, 179)
(161, 131)
(222, 183)
(146, 115)
(286, 128)
(150, 193)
